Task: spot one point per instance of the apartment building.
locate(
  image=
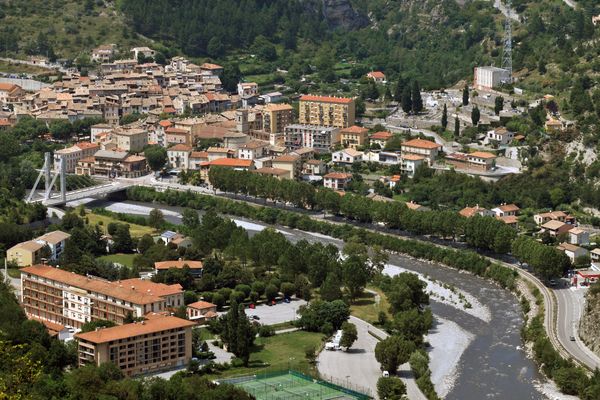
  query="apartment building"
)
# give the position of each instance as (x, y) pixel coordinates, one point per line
(354, 136)
(158, 343)
(253, 150)
(337, 180)
(73, 154)
(30, 252)
(179, 156)
(289, 162)
(66, 298)
(338, 112)
(131, 140)
(112, 164)
(276, 117)
(320, 138)
(421, 147)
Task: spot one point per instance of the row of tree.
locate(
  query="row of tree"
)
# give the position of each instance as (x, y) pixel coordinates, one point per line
(484, 233)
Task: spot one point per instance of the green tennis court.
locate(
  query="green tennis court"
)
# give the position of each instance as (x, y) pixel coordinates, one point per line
(291, 386)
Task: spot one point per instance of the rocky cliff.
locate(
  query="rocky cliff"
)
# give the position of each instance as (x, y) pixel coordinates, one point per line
(339, 14)
(589, 328)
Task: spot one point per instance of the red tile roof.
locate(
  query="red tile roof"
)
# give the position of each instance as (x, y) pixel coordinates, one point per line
(355, 129)
(327, 99)
(152, 325)
(376, 74)
(178, 264)
(422, 144)
(165, 123)
(231, 162)
(338, 175)
(383, 135)
(482, 154)
(201, 305)
(177, 131)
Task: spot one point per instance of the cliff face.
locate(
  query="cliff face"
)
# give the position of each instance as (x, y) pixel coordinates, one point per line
(339, 14)
(589, 327)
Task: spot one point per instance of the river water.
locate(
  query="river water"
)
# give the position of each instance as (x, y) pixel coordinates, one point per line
(493, 365)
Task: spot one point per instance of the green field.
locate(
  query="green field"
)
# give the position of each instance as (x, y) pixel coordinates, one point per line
(119, 258)
(367, 307)
(291, 385)
(134, 229)
(279, 352)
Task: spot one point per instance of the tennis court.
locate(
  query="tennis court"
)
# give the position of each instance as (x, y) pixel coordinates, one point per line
(292, 385)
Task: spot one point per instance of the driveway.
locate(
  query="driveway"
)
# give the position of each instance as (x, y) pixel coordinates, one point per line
(271, 315)
(358, 367)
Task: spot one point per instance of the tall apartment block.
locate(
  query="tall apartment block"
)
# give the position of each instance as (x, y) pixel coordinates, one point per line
(66, 298)
(338, 112)
(158, 343)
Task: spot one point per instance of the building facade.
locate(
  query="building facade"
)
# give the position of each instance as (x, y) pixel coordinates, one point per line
(158, 343)
(320, 138)
(66, 298)
(338, 112)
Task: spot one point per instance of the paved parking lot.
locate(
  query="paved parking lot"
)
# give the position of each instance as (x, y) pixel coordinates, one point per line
(281, 312)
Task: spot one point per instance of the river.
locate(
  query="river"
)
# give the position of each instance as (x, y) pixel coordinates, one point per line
(492, 365)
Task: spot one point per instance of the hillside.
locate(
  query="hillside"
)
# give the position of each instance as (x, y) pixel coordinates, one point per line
(437, 42)
(60, 28)
(590, 325)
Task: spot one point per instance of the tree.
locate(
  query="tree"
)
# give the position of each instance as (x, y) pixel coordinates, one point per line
(349, 335)
(156, 218)
(393, 352)
(498, 104)
(417, 101)
(122, 239)
(271, 292)
(456, 127)
(445, 117)
(156, 156)
(406, 102)
(399, 90)
(190, 218)
(465, 96)
(355, 275)
(145, 243)
(390, 388)
(98, 324)
(475, 116)
(330, 289)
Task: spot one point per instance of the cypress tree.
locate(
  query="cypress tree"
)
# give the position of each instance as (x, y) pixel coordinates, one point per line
(465, 99)
(417, 101)
(445, 117)
(406, 100)
(475, 116)
(456, 127)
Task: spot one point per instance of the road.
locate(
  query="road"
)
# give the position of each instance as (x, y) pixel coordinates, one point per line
(358, 365)
(571, 303)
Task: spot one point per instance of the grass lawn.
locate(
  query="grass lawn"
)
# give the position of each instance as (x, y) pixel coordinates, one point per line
(400, 197)
(13, 68)
(135, 230)
(279, 352)
(366, 308)
(119, 258)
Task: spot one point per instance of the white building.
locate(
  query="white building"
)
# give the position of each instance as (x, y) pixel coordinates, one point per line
(489, 77)
(179, 156)
(73, 154)
(253, 150)
(320, 138)
(336, 180)
(146, 51)
(347, 156)
(502, 136)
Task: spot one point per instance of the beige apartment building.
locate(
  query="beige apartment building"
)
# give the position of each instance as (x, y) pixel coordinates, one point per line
(66, 298)
(338, 112)
(158, 343)
(354, 136)
(276, 117)
(131, 140)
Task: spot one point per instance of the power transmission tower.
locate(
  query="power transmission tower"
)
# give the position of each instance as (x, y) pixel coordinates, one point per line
(507, 53)
(50, 180)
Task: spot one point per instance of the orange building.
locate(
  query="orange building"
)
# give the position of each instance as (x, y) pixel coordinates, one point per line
(158, 343)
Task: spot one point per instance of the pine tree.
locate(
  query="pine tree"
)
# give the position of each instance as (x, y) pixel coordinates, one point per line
(475, 116)
(445, 117)
(465, 99)
(456, 127)
(245, 335)
(417, 101)
(406, 100)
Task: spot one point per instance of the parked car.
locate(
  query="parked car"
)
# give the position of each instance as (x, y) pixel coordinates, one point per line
(255, 317)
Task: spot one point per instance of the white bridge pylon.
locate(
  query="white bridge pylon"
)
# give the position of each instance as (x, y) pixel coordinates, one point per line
(50, 177)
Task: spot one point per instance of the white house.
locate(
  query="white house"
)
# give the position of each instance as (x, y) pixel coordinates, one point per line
(56, 242)
(146, 51)
(336, 180)
(347, 156)
(179, 156)
(502, 136)
(572, 251)
(253, 150)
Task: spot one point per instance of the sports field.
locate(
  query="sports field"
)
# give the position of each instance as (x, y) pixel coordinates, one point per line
(290, 386)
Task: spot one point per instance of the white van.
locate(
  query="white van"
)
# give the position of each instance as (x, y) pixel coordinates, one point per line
(330, 346)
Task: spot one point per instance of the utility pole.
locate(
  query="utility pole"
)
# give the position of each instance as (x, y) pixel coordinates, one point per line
(507, 53)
